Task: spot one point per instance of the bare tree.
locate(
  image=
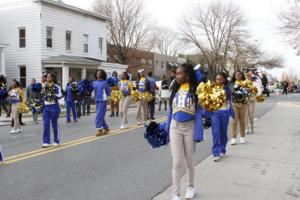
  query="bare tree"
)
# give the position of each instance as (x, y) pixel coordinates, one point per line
(127, 28)
(167, 42)
(290, 24)
(212, 30)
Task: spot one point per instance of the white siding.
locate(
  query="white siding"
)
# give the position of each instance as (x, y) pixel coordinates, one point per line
(21, 13)
(63, 20)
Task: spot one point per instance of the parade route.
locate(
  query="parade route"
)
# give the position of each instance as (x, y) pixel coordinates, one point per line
(85, 167)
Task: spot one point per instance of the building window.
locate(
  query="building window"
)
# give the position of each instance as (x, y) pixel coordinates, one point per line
(22, 37)
(85, 43)
(150, 63)
(156, 64)
(68, 40)
(22, 72)
(143, 61)
(162, 65)
(49, 36)
(100, 40)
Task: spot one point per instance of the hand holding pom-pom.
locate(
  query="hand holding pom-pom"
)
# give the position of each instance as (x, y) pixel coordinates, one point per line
(211, 96)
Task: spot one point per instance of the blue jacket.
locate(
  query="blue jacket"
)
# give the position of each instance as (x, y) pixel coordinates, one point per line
(69, 93)
(151, 85)
(101, 90)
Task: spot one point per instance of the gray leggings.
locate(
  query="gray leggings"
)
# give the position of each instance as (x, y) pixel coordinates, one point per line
(183, 151)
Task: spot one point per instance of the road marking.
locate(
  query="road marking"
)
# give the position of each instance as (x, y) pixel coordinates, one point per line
(39, 152)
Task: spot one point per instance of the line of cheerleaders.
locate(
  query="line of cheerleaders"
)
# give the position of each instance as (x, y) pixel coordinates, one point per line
(184, 125)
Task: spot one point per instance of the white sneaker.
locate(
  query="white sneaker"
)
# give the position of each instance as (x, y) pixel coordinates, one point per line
(13, 131)
(222, 155)
(46, 145)
(233, 141)
(122, 126)
(217, 158)
(175, 197)
(126, 126)
(243, 140)
(18, 130)
(55, 144)
(190, 192)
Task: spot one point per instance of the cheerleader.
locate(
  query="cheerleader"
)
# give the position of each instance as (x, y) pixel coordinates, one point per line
(185, 127)
(102, 91)
(143, 85)
(251, 103)
(16, 97)
(220, 120)
(239, 111)
(51, 93)
(126, 87)
(71, 100)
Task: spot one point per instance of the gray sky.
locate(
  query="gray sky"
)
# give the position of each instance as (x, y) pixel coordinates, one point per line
(261, 15)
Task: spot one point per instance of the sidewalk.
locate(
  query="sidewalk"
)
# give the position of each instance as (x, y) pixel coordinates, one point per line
(267, 167)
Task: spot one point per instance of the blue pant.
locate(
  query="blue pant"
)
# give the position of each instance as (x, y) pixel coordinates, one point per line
(100, 117)
(219, 126)
(51, 114)
(86, 104)
(69, 106)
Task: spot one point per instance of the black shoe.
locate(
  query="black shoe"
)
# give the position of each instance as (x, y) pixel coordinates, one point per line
(22, 124)
(117, 114)
(7, 115)
(112, 114)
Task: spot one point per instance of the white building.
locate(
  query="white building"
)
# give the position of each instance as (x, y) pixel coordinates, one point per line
(49, 35)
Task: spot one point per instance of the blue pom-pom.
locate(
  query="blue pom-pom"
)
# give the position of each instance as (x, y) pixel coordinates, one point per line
(156, 134)
(113, 81)
(36, 87)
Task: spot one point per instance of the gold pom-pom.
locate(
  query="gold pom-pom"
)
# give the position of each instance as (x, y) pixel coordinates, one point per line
(211, 96)
(116, 96)
(147, 96)
(23, 108)
(260, 98)
(250, 87)
(135, 95)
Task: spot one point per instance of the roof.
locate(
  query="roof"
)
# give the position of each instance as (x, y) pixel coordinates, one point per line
(71, 60)
(61, 4)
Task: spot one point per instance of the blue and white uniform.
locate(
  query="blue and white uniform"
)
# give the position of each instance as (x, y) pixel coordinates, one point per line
(102, 92)
(184, 110)
(219, 125)
(51, 112)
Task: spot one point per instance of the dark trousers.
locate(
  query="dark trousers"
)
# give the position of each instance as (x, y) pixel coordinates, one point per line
(78, 108)
(151, 108)
(2, 104)
(86, 105)
(160, 102)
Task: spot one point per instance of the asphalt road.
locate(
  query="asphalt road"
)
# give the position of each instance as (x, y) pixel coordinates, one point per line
(118, 167)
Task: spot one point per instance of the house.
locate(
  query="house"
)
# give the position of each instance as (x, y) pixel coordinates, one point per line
(49, 35)
(164, 64)
(137, 59)
(2, 58)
